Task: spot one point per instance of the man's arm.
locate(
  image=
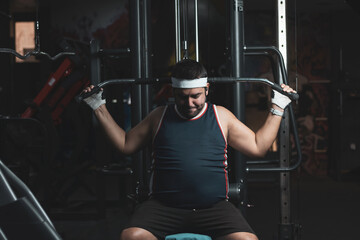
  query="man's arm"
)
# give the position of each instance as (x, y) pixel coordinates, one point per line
(243, 139)
(126, 142)
(133, 140)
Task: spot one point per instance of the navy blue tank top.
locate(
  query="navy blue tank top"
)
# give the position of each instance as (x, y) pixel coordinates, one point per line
(189, 160)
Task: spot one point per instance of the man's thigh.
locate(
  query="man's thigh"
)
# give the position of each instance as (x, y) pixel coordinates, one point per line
(158, 219)
(220, 220)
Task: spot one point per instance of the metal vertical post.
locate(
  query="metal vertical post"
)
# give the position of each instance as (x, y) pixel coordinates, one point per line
(147, 73)
(136, 60)
(237, 69)
(281, 24)
(178, 46)
(185, 32)
(237, 55)
(196, 30)
(285, 227)
(141, 68)
(136, 107)
(177, 31)
(95, 79)
(145, 53)
(95, 68)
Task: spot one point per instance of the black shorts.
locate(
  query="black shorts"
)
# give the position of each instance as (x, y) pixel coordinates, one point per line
(219, 220)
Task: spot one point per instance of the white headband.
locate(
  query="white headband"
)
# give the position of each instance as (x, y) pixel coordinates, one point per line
(189, 83)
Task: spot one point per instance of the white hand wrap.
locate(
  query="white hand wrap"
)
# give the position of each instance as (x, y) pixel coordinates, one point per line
(95, 100)
(280, 100)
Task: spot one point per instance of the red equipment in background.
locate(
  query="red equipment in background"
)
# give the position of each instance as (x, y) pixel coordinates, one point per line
(57, 98)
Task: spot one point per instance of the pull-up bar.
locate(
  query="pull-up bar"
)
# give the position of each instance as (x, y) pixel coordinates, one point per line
(292, 96)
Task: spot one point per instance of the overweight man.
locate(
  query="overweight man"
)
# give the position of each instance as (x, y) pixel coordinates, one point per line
(189, 140)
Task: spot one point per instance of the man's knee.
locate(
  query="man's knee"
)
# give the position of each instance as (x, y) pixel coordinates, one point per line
(136, 234)
(239, 236)
(246, 236)
(249, 236)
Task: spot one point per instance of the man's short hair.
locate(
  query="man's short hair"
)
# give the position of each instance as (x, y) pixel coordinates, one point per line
(188, 69)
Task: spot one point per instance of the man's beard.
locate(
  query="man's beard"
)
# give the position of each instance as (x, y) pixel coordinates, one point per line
(189, 112)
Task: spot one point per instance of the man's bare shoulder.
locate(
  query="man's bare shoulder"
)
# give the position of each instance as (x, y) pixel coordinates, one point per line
(223, 112)
(226, 117)
(156, 114)
(154, 118)
(158, 111)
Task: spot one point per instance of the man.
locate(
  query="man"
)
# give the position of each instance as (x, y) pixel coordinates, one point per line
(189, 182)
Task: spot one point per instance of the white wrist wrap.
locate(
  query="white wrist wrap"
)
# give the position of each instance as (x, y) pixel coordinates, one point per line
(95, 100)
(276, 112)
(279, 99)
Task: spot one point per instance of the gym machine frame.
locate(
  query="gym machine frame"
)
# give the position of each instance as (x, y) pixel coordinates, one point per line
(141, 68)
(142, 77)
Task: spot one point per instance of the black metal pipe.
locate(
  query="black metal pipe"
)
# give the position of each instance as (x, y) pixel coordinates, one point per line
(146, 54)
(95, 76)
(283, 73)
(224, 80)
(269, 57)
(136, 113)
(236, 65)
(237, 70)
(145, 11)
(277, 53)
(184, 16)
(298, 148)
(136, 96)
(107, 52)
(267, 161)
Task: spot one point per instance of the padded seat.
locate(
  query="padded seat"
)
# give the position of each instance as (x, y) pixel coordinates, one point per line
(187, 236)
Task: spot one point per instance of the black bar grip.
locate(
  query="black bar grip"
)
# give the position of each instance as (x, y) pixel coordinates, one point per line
(291, 95)
(96, 89)
(84, 95)
(275, 86)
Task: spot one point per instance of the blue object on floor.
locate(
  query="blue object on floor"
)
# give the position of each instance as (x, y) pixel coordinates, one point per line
(187, 236)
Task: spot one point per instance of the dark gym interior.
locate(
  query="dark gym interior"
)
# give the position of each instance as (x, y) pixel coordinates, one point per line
(51, 50)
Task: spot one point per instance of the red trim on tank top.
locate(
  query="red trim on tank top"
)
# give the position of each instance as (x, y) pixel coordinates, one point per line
(225, 150)
(218, 122)
(160, 122)
(226, 172)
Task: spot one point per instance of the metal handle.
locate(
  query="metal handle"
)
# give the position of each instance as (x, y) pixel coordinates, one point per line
(274, 86)
(298, 149)
(273, 49)
(98, 87)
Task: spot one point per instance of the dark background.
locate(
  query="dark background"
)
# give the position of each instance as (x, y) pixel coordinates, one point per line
(56, 157)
